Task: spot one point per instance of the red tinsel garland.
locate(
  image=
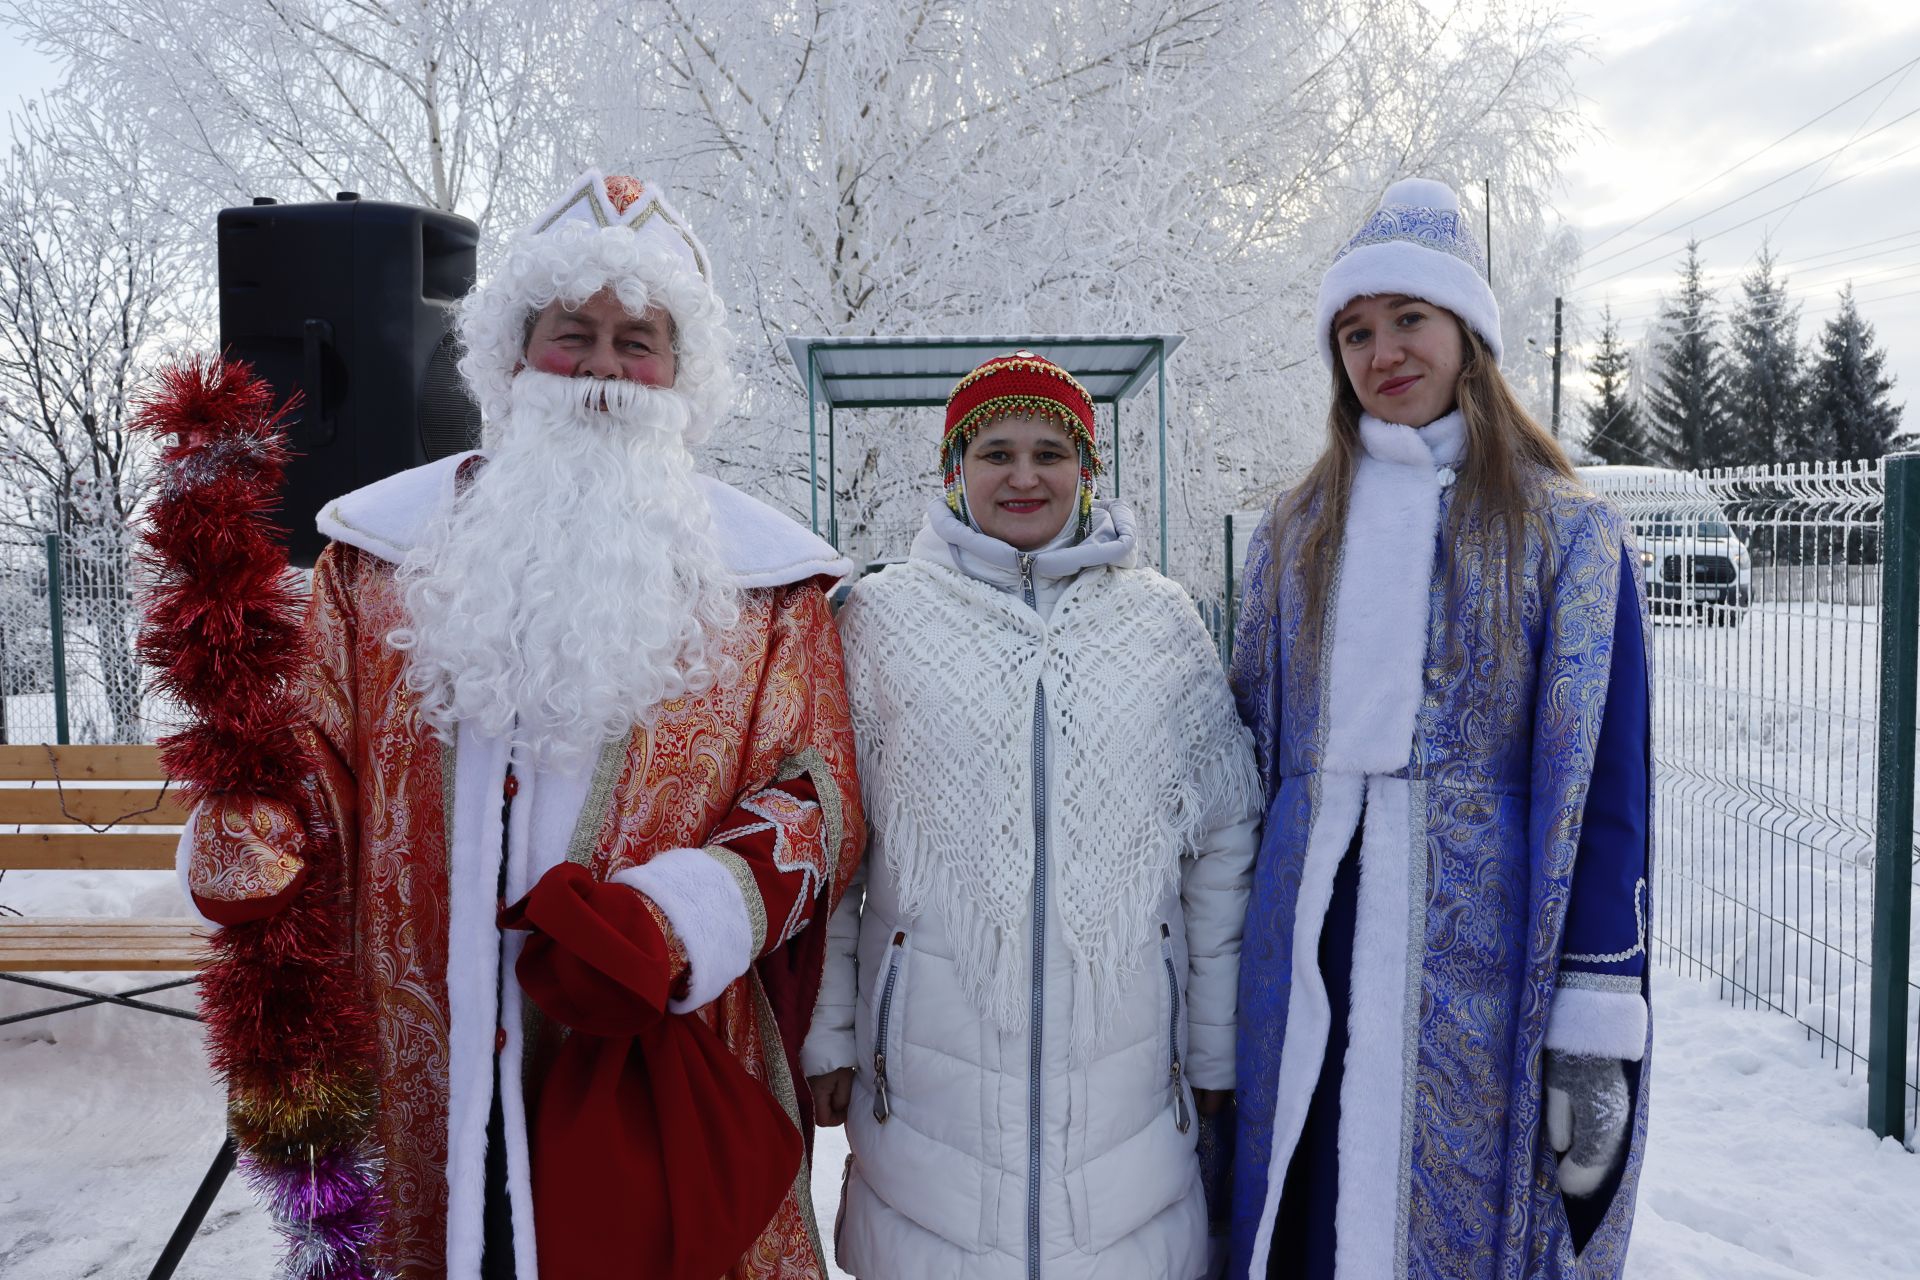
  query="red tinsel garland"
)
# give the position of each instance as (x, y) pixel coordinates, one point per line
(288, 1028)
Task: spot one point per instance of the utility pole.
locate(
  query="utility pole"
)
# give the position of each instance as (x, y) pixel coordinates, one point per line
(1556, 368)
(1486, 187)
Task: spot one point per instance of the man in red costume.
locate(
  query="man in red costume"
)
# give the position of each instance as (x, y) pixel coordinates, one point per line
(582, 753)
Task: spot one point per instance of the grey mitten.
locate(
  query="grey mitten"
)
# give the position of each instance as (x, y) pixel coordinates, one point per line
(1588, 1107)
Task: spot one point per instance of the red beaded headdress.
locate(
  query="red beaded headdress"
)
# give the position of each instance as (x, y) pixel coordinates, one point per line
(1021, 384)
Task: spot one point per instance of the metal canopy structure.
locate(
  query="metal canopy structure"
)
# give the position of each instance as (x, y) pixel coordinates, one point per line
(907, 373)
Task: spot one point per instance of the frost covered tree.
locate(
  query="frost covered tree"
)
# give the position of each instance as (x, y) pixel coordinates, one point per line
(1688, 398)
(1009, 166)
(1614, 432)
(1850, 410)
(452, 104)
(923, 167)
(1766, 388)
(92, 274)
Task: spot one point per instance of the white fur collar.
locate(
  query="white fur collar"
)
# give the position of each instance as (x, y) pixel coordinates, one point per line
(762, 546)
(1441, 443)
(1380, 603)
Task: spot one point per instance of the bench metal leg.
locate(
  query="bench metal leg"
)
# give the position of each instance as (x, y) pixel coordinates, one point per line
(98, 997)
(196, 1212)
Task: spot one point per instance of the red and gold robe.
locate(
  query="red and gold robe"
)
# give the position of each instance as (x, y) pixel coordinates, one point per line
(737, 813)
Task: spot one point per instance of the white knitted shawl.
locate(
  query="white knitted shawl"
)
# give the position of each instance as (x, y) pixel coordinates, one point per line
(941, 672)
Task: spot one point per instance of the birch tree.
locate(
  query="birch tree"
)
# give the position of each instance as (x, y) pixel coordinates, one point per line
(450, 104)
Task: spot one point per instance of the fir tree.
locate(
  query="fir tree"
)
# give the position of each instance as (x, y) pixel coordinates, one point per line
(1849, 407)
(1688, 397)
(1614, 432)
(1766, 382)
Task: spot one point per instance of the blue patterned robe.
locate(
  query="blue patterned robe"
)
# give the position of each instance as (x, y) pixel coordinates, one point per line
(1517, 897)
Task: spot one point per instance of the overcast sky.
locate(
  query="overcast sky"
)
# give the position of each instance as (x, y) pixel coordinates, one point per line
(1679, 95)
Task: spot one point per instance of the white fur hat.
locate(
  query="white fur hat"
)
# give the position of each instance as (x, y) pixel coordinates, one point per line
(604, 232)
(1417, 243)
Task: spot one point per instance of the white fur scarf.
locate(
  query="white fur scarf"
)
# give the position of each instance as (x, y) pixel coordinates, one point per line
(1144, 748)
(1380, 605)
(1376, 678)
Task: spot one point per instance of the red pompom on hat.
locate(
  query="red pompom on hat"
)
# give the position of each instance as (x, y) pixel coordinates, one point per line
(1012, 385)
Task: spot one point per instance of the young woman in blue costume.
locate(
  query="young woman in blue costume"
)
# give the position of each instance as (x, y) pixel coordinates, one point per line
(1443, 1052)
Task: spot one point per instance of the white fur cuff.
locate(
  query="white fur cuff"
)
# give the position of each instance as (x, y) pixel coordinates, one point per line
(1598, 1024)
(702, 901)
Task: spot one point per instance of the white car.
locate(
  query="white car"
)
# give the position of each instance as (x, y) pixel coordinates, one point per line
(1693, 559)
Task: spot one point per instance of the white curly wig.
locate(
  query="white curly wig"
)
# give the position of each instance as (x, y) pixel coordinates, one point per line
(570, 263)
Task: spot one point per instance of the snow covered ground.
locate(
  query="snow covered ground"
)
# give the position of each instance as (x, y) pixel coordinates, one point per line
(1759, 1164)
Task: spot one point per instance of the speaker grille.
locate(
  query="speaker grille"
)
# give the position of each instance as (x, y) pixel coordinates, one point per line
(449, 420)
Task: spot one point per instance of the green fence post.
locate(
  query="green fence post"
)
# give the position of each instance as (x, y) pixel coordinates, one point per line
(1893, 854)
(57, 615)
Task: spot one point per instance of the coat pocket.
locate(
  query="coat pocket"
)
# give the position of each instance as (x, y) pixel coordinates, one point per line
(886, 1075)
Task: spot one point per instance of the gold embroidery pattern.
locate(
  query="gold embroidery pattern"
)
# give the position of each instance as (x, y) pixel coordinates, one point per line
(244, 849)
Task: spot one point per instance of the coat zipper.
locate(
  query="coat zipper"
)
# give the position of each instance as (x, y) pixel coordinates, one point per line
(882, 1101)
(1035, 1131)
(1182, 1117)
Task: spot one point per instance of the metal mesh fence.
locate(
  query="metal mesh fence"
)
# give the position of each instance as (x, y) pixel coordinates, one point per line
(67, 629)
(1764, 587)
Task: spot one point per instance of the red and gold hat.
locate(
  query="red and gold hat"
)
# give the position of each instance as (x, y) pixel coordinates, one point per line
(1015, 385)
(1022, 384)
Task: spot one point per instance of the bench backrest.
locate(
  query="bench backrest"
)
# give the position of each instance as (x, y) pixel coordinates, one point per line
(129, 808)
(74, 791)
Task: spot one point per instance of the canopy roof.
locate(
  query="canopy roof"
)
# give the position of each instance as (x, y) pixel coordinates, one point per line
(888, 373)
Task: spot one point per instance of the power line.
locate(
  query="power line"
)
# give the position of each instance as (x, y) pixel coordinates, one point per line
(1801, 264)
(1850, 141)
(1767, 214)
(1804, 290)
(1771, 182)
(1710, 322)
(1644, 302)
(1904, 235)
(1756, 155)
(1860, 302)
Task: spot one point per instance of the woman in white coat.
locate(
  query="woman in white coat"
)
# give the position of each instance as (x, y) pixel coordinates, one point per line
(1035, 995)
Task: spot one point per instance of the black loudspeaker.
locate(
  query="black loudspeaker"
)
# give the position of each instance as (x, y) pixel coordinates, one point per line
(350, 303)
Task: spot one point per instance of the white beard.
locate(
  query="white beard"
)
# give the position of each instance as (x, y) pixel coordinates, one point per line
(575, 585)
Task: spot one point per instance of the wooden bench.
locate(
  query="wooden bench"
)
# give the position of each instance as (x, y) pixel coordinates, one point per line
(95, 828)
(100, 828)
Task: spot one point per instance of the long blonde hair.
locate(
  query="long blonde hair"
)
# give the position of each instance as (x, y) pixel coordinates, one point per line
(1495, 484)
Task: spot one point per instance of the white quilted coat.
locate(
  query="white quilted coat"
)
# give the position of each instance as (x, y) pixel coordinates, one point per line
(1140, 942)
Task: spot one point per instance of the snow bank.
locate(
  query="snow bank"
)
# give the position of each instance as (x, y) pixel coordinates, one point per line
(1759, 1163)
